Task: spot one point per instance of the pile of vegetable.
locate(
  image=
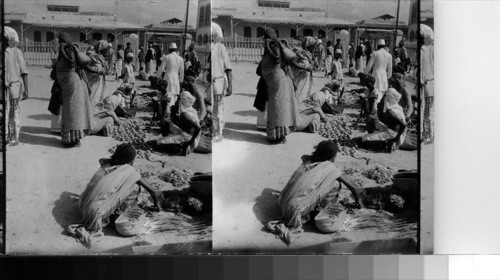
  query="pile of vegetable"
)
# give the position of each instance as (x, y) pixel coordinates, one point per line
(178, 178)
(379, 174)
(338, 128)
(130, 131)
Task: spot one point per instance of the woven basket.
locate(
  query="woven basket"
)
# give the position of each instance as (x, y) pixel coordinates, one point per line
(131, 222)
(331, 219)
(204, 146)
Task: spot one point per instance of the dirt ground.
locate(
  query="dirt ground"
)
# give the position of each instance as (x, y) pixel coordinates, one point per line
(44, 179)
(249, 172)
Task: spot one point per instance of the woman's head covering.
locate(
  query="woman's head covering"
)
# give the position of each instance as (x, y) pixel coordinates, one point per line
(391, 100)
(334, 85)
(64, 37)
(427, 33)
(186, 101)
(126, 88)
(101, 45)
(270, 33)
(308, 41)
(11, 35)
(338, 51)
(217, 34)
(130, 55)
(124, 153)
(325, 150)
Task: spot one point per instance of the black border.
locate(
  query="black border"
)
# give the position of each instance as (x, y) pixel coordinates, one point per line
(419, 134)
(3, 184)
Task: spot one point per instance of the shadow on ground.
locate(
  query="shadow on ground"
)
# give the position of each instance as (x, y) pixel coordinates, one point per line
(66, 210)
(36, 130)
(40, 98)
(246, 94)
(247, 113)
(234, 131)
(33, 139)
(41, 117)
(266, 207)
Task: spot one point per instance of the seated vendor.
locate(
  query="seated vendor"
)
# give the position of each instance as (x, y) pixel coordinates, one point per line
(104, 115)
(160, 101)
(114, 188)
(369, 98)
(199, 105)
(184, 126)
(316, 177)
(397, 82)
(313, 109)
(390, 124)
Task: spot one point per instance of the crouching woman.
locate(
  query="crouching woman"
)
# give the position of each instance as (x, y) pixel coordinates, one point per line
(114, 188)
(104, 116)
(316, 177)
(184, 127)
(390, 125)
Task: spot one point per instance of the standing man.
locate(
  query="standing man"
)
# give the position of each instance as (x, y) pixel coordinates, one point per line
(16, 83)
(128, 50)
(427, 83)
(337, 46)
(149, 59)
(111, 60)
(221, 79)
(381, 64)
(403, 54)
(193, 58)
(321, 55)
(350, 55)
(173, 66)
(120, 55)
(140, 56)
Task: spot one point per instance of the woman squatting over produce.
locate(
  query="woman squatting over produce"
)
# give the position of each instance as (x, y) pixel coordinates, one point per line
(312, 110)
(184, 126)
(390, 125)
(104, 116)
(114, 188)
(316, 177)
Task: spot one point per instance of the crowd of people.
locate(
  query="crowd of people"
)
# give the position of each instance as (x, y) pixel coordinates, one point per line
(286, 103)
(81, 104)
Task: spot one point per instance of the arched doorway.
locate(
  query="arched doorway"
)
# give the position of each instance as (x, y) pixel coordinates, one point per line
(247, 32)
(307, 32)
(260, 32)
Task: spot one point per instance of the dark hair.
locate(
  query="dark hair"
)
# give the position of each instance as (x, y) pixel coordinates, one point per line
(324, 151)
(328, 43)
(124, 153)
(370, 79)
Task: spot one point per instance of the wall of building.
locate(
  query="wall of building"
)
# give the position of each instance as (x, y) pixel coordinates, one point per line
(74, 33)
(283, 30)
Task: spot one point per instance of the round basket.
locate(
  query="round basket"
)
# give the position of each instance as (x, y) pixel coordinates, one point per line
(202, 189)
(331, 219)
(131, 222)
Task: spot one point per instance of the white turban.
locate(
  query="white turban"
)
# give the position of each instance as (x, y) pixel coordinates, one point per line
(426, 32)
(392, 98)
(11, 35)
(217, 34)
